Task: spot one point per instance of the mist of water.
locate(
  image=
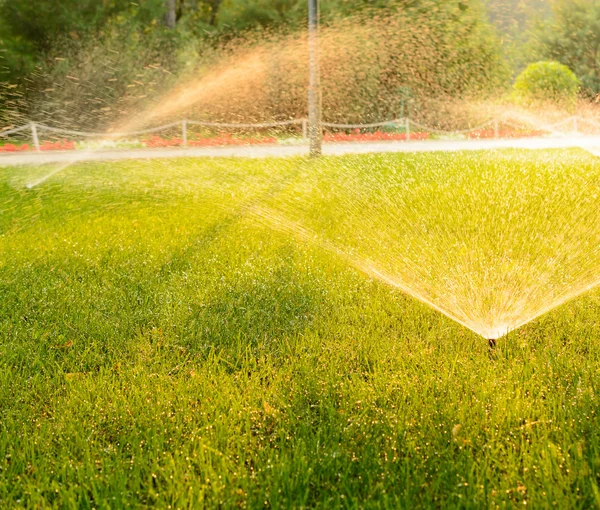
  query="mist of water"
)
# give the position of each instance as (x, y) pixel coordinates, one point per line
(490, 244)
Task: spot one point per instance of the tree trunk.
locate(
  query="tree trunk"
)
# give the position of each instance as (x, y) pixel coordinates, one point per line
(214, 10)
(179, 10)
(171, 14)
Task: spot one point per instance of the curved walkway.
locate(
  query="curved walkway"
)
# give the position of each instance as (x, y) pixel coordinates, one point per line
(589, 143)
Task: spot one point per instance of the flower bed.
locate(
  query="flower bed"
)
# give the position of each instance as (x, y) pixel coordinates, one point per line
(10, 147)
(505, 133)
(95, 145)
(63, 145)
(224, 139)
(356, 136)
(229, 140)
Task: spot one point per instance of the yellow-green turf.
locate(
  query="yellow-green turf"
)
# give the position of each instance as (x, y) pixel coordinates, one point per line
(162, 347)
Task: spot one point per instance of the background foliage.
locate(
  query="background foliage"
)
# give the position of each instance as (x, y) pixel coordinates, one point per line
(88, 63)
(572, 37)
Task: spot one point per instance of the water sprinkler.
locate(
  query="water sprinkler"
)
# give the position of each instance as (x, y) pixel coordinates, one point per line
(492, 334)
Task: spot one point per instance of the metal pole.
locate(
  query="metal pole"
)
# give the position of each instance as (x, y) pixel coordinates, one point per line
(575, 129)
(496, 130)
(34, 136)
(407, 126)
(315, 130)
(184, 133)
(304, 129)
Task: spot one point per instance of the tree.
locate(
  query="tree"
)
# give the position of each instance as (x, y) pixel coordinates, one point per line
(171, 13)
(572, 37)
(514, 21)
(29, 30)
(214, 10)
(61, 53)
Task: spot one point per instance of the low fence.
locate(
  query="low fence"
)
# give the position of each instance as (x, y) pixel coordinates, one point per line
(572, 125)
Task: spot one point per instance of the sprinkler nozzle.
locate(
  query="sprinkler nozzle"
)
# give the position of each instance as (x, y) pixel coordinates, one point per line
(492, 343)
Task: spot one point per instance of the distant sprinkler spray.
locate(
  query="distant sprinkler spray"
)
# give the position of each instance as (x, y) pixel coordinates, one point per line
(315, 130)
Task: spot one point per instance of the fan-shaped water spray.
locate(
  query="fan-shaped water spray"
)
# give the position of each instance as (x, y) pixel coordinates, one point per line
(491, 242)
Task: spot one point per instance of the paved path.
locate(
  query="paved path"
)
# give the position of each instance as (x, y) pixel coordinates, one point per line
(590, 143)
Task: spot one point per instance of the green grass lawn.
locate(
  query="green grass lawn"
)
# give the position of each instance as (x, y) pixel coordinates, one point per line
(165, 341)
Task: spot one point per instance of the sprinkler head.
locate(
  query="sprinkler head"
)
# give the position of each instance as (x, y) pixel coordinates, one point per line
(492, 343)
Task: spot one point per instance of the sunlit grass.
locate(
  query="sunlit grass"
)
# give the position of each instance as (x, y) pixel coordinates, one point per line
(164, 342)
(493, 240)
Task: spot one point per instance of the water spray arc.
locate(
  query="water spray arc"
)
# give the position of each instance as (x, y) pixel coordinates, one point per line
(464, 302)
(315, 128)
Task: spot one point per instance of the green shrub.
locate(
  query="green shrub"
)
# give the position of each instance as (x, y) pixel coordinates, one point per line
(543, 82)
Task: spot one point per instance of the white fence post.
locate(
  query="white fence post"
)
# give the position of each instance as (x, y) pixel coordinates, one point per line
(34, 136)
(184, 133)
(304, 129)
(407, 126)
(496, 131)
